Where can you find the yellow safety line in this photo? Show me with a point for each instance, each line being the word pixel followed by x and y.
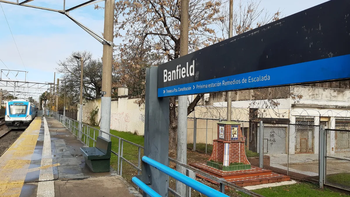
pixel 14 163
pixel 43 167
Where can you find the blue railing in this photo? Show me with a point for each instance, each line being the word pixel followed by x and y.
pixel 206 190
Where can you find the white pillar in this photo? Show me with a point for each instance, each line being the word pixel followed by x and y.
pixel 226 154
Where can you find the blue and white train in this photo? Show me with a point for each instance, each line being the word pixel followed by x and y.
pixel 19 114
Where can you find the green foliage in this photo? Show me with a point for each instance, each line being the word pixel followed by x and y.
pixel 200 147
pixel 250 153
pixel 232 167
pixel 93 114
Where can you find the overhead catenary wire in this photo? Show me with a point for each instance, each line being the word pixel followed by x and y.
pixel 12 36
pixel 7 68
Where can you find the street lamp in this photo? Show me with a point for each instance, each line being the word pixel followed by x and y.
pixel 81 92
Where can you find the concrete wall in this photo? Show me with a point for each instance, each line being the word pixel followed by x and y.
pixel 302 101
pixel 206 131
pixel 88 108
pixel 126 114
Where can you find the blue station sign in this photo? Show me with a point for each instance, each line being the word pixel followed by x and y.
pixel 310 46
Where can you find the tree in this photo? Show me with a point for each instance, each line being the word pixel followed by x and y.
pixel 151 27
pixel 246 17
pixel 131 67
pixel 42 100
pixel 7 96
pixel 92 80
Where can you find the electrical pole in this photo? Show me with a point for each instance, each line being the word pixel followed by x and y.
pixel 50 98
pixel 0 98
pixel 81 95
pixel 182 108
pixel 230 27
pixel 53 92
pixel 107 61
pixel 64 101
pixel 81 92
pixel 58 86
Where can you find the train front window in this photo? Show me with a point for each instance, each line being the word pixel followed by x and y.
pixel 18 109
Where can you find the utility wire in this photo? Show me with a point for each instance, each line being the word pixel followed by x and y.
pixel 12 36
pixel 7 68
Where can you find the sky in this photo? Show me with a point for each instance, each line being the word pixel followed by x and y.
pixel 36 41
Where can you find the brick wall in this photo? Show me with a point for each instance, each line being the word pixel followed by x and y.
pixel 236 151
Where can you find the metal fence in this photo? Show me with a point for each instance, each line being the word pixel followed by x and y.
pixel 337 166
pixel 133 158
pixel 291 149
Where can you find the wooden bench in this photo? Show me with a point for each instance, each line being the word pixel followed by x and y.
pixel 98 157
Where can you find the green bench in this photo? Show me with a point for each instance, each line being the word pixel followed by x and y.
pixel 98 157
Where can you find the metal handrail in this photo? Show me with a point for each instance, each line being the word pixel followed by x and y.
pixel 204 189
pixel 145 188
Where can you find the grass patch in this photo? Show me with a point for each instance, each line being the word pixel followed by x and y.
pixel 299 189
pixel 200 147
pixel 250 153
pixel 339 179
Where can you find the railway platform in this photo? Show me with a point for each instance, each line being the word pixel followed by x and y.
pixel 46 161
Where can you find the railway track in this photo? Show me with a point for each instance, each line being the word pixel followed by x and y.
pixel 4 132
pixel 7 136
pixel 3 129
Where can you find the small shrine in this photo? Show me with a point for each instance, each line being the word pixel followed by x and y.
pixel 229 161
pixel 228 149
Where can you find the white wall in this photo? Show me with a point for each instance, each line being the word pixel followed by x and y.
pixel 126 114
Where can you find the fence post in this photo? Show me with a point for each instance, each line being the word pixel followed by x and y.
pixel 261 144
pixel 139 161
pixel 288 145
pixel 121 159
pixel 222 187
pixel 206 137
pixel 322 152
pixel 119 155
pixel 194 133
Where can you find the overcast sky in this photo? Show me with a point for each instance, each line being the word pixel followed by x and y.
pixel 40 39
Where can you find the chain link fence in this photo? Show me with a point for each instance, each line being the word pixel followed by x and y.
pixel 288 148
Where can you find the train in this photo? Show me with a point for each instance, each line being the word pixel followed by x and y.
pixel 19 114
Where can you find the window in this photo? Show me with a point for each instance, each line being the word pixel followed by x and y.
pixel 18 109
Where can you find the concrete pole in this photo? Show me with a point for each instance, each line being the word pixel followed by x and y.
pixel 81 95
pixel 182 116
pixel 50 99
pixel 230 27
pixel 261 145
pixel 0 98
pixel 53 91
pixel 107 60
pixel 57 91
pixel 64 102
